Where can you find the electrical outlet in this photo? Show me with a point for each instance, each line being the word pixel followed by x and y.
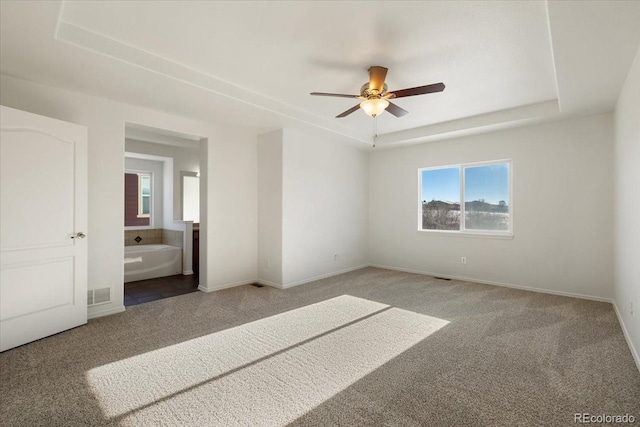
pixel 463 260
pixel 631 308
pixel 335 257
pixel 267 264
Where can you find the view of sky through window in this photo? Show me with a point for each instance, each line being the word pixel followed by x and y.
pixel 441 184
pixel 489 183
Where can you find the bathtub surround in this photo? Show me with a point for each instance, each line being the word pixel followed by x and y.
pixel 154 236
pixel 173 238
pixel 181 238
pixel 148 237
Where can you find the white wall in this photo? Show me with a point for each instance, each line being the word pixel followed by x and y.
pixel 562 202
pixel 627 206
pixel 167 195
pixel 270 208
pixel 140 165
pixel 232 219
pixel 324 207
pixel 229 183
pixel 312 205
pixel 184 159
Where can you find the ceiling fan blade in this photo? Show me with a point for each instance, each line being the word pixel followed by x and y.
pixel 377 75
pixel 338 95
pixel 420 90
pixel 395 110
pixel 349 111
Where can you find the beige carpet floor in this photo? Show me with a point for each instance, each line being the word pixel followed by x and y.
pixel 371 347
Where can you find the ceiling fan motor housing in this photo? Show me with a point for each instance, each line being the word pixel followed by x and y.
pixel 366 93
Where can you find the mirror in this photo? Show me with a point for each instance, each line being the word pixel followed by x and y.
pixel 190 196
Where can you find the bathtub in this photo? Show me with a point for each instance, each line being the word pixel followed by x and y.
pixel 148 261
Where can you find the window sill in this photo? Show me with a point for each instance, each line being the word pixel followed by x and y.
pixel 138 227
pixel 498 236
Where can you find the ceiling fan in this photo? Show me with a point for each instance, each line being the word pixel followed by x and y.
pixel 376 97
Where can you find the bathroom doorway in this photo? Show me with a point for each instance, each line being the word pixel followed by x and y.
pixel 162 213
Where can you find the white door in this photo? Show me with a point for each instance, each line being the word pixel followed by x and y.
pixel 43 221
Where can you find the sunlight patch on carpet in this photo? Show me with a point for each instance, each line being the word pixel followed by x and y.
pixel 267 372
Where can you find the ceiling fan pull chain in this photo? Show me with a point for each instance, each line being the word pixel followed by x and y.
pixel 375 130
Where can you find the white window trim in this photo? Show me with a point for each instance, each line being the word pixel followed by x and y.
pixel 142 227
pixel 141 196
pixel 490 234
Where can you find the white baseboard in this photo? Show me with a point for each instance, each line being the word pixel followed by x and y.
pixel 187 272
pixel 268 283
pixel 278 285
pixel 225 286
pixel 489 282
pixel 102 313
pixel 323 276
pixel 627 337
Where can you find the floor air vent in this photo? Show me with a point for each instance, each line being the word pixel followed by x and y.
pixel 98 296
pixel 257 285
pixel 441 278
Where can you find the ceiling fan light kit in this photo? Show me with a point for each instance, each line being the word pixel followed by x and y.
pixel 376 97
pixel 374 106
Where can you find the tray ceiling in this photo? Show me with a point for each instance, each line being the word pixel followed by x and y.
pixel 254 63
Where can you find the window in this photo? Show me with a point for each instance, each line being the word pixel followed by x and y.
pixel 137 199
pixel 144 195
pixel 468 198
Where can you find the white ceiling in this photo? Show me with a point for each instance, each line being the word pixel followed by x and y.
pixel 254 63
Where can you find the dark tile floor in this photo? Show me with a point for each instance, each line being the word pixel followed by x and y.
pixel 163 287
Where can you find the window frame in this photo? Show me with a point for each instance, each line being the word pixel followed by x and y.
pixel 151 209
pixel 141 196
pixel 463 232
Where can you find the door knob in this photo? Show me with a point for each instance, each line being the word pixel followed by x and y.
pixel 79 235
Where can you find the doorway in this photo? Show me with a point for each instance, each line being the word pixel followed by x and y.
pixel 159 253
